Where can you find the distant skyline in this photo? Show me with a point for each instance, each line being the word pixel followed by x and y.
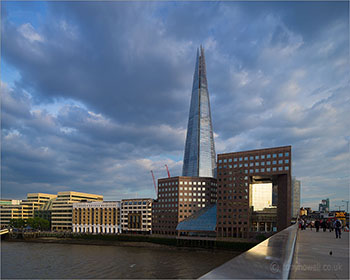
pixel 97 94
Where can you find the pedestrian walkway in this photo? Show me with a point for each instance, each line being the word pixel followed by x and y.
pixel 319 255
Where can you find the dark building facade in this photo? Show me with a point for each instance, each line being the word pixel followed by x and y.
pixel 178 198
pixel 238 175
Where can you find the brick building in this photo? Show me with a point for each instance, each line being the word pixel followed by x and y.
pixel 178 198
pixel 238 173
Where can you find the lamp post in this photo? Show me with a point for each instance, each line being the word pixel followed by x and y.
pixel 338 206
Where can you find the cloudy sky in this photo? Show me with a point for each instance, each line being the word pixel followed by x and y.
pixel 95 95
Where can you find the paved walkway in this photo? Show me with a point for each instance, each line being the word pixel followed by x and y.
pixel 312 258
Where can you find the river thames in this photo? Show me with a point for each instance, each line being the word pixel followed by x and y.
pixel 46 260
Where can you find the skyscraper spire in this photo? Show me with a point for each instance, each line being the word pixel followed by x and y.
pixel 199 157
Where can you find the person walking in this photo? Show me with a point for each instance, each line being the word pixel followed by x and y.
pixel 331 226
pixel 317 225
pixel 324 225
pixel 337 227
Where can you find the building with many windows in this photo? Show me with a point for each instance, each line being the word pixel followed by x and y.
pixel 96 217
pixel 62 208
pixel 259 179
pixel 199 156
pixel 178 199
pixel 324 205
pixel 136 215
pixel 295 198
pixel 24 209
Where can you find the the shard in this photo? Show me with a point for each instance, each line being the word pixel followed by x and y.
pixel 199 157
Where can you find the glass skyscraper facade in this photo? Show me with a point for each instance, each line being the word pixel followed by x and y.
pixel 199 157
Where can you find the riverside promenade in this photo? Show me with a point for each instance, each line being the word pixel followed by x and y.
pixel 319 255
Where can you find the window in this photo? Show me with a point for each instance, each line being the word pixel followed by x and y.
pixel 225 160
pixel 262 163
pixel 256 170
pixel 280 168
pixel 268 156
pixel 274 162
pixel 273 168
pixel 240 159
pixel 230 160
pixel 262 156
pixel 185 184
pixel 251 170
pixel 181 188
pixel 246 171
pixel 251 164
pixel 246 165
pixel 280 155
pixel 235 159
pixel 240 165
pixel 268 169
pixel 245 158
pixel 180 182
pixel 274 155
pixel 286 168
pixel 256 157
pixel 286 161
pixel 257 164
pixel 287 154
pixel 220 161
pixel 262 169
pixel 268 163
pixel 280 161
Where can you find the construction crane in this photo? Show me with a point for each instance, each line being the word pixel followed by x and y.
pixel 154 183
pixel 167 170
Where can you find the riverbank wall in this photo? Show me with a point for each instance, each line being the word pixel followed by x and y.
pixel 127 240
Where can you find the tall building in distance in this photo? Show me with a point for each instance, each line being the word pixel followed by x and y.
pixel 295 198
pixel 199 156
pixel 324 205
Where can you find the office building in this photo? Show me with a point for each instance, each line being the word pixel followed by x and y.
pixel 238 173
pixel 295 197
pixel 199 156
pixel 324 205
pixel 178 199
pixel 136 215
pixel 96 217
pixel 25 209
pixel 62 208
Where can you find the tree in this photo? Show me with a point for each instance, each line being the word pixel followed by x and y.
pixel 39 223
pixel 17 223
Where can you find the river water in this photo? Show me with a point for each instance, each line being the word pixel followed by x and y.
pixel 61 261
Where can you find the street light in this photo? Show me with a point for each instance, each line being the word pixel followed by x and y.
pixel 338 206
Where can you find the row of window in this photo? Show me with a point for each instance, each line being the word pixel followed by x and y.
pixel 193 199
pixel 267 169
pixel 134 202
pixel 286 154
pixel 257 163
pixel 184 183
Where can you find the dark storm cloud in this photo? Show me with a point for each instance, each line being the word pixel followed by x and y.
pixel 103 90
pixel 112 62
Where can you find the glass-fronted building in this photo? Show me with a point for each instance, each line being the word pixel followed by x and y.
pixel 199 157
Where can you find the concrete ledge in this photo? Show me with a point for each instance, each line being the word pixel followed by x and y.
pixel 271 259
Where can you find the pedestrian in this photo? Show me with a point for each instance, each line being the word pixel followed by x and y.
pixel 317 225
pixel 324 225
pixel 337 227
pixel 331 225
